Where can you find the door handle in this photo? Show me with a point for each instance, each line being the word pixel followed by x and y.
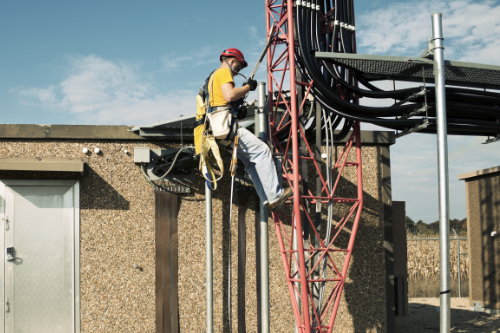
pixel 7 306
pixel 10 254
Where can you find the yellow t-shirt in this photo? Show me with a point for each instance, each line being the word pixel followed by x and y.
pixel 222 76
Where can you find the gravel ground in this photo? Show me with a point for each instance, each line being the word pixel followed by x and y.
pixel 424 317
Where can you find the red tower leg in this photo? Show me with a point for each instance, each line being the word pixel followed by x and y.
pixel 308 257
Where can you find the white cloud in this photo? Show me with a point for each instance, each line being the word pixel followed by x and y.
pixel 174 62
pixel 470 29
pixel 100 91
pixel 44 96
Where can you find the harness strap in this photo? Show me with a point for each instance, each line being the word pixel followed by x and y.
pixel 199 122
pixel 208 145
pixel 222 107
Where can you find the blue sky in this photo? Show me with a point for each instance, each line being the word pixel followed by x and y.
pixel 131 62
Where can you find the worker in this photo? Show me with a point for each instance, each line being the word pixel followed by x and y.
pixel 254 153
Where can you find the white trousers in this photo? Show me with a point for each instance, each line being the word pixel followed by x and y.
pixel 258 161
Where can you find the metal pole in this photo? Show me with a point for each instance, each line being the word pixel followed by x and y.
pixel 317 221
pixel 306 321
pixel 459 274
pixel 209 248
pixel 458 264
pixel 444 224
pixel 261 120
pixel 295 247
pixel 261 127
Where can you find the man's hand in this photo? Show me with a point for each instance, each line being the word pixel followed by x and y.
pixel 252 83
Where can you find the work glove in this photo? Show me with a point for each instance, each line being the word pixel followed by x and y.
pixel 252 83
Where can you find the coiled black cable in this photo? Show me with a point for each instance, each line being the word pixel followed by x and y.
pixel 471 112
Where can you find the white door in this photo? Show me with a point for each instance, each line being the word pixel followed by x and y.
pixel 41 251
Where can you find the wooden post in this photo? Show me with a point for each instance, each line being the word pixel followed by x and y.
pixel 167 306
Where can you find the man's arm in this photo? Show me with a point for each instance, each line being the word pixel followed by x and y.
pixel 231 93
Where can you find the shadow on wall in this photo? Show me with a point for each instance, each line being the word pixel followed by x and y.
pixel 9 174
pixel 364 290
pixel 222 194
pixel 97 193
pixel 490 251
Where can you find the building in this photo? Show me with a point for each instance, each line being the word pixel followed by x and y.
pixel 482 192
pixel 95 248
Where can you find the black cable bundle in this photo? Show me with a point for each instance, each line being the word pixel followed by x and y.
pixel 327 26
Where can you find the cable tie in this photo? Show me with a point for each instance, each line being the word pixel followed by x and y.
pixel 296 3
pixel 304 3
pixel 308 5
pixel 317 7
pixel 336 22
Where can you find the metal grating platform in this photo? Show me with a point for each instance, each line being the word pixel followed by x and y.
pixel 374 67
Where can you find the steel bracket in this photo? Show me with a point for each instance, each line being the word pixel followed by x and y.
pixel 412 97
pixel 413 129
pixel 416 112
pixel 429 51
pixel 491 140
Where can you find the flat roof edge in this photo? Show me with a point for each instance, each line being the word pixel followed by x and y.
pixel 72 132
pixel 372 138
pixel 120 132
pixel 478 173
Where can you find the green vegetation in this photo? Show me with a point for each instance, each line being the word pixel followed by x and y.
pixel 422 227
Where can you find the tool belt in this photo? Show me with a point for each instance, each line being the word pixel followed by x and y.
pixel 224 124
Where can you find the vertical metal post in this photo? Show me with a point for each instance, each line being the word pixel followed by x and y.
pixel 303 172
pixel 317 221
pixel 209 261
pixel 459 274
pixel 261 127
pixel 296 268
pixel 306 320
pixel 458 264
pixel 444 224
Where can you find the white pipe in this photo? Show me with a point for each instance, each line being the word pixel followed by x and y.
pixel 261 127
pixel 458 259
pixel 444 224
pixel 209 261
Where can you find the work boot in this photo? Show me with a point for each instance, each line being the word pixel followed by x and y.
pixel 278 204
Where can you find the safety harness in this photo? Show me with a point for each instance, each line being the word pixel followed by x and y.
pixel 223 126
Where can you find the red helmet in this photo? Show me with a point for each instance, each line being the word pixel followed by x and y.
pixel 232 52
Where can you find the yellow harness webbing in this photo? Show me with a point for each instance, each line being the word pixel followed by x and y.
pixel 209 144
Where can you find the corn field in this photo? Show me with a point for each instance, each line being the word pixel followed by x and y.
pixel 423 265
pixel 423 256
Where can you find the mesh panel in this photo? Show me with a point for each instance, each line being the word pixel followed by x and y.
pixel 413 69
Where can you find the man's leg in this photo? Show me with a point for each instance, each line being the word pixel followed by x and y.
pixel 259 163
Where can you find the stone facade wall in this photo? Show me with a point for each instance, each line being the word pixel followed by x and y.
pixel 117 231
